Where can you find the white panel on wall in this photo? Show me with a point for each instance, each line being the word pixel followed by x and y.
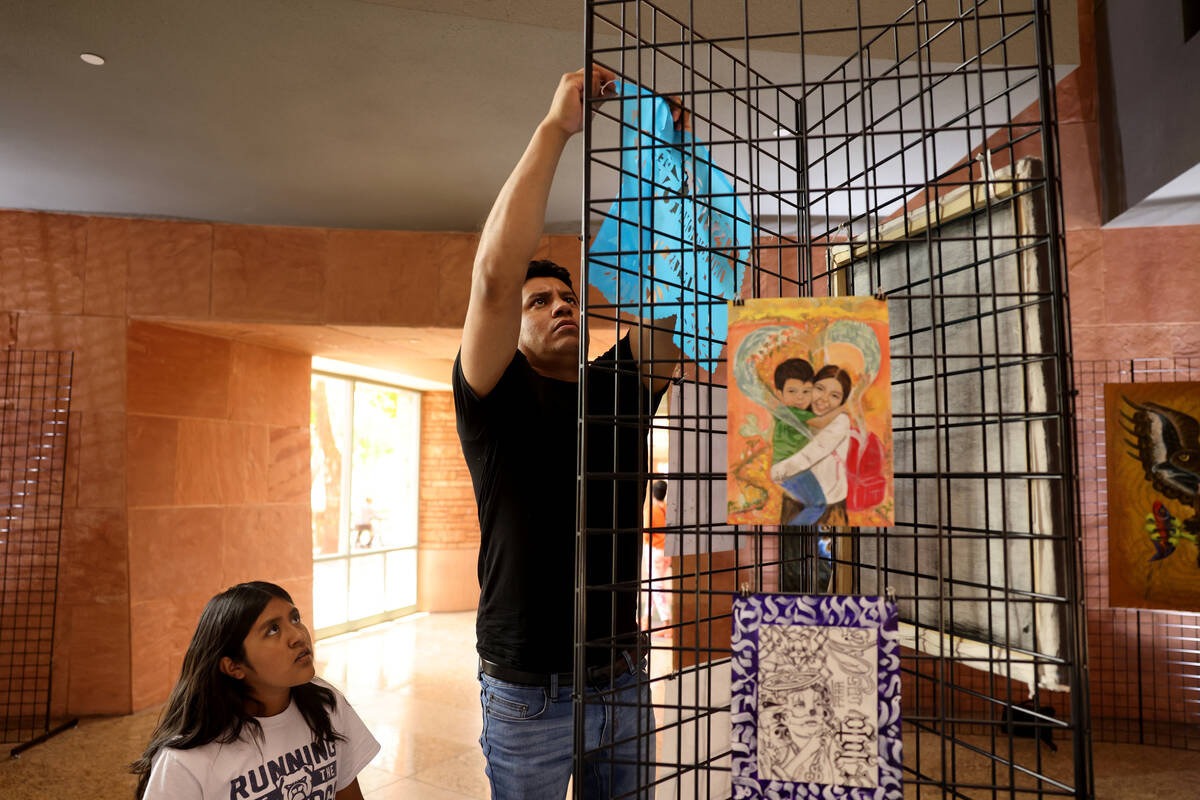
pixel 699 504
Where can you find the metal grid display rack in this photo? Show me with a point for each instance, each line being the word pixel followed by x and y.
pixel 906 151
pixel 34 417
pixel 1145 664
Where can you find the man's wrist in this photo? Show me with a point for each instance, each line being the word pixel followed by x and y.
pixel 553 132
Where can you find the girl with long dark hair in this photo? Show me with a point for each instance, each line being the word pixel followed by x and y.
pixel 248 717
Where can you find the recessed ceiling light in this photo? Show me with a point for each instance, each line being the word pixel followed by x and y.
pixel 91 58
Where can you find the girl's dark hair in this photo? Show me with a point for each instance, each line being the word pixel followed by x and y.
pixel 834 371
pixel 207 705
pixel 548 269
pixel 793 369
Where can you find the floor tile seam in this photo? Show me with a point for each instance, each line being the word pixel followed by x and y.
pixel 441 788
pixel 460 751
pixel 466 750
pixel 395 778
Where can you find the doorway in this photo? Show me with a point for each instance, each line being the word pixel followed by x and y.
pixel 365 456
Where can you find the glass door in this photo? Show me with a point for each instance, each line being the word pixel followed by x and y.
pixel 365 455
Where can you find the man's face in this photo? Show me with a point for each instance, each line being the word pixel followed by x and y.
pixel 549 318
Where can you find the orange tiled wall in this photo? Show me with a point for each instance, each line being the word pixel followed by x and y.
pixel 217 485
pixel 55 297
pixel 1144 665
pixel 1134 293
pixel 76 283
pixel 448 525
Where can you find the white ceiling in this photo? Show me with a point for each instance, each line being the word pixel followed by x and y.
pixel 394 114
pixel 1176 203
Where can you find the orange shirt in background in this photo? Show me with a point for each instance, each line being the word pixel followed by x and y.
pixel 658 519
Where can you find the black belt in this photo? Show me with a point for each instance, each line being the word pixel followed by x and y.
pixel 601 674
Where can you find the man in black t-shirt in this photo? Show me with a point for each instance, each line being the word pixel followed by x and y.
pixel 516 402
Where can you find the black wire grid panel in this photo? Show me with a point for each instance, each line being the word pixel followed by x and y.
pixel 912 157
pixel 34 415
pixel 1144 664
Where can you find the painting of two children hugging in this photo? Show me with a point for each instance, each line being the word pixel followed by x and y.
pixel 810 437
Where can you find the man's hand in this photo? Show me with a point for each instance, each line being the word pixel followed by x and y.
pixel 681 116
pixel 566 109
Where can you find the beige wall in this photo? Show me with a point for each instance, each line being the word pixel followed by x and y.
pixel 44 264
pixel 188 453
pixel 448 525
pixel 217 485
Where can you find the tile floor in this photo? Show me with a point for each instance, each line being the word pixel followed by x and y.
pixel 413 682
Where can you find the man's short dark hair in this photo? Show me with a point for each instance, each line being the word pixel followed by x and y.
pixel 548 269
pixel 793 369
pixel 660 490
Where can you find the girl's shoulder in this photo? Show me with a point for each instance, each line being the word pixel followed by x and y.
pixel 319 681
pixel 324 684
pixel 182 773
pixel 191 758
pixel 341 706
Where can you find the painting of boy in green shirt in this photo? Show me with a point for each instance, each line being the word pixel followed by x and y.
pixel 794 382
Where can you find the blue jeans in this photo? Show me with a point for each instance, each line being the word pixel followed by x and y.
pixel 805 489
pixel 528 737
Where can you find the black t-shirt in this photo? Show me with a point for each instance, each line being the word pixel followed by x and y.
pixel 520 446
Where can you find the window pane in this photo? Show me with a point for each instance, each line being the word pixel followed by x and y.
pixel 386 451
pixel 329 593
pixel 366 586
pixel 401 579
pixel 329 424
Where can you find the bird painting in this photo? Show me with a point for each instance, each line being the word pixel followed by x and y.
pixel 1152 493
pixel 1167 443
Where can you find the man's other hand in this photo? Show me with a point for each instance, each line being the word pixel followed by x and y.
pixel 566 110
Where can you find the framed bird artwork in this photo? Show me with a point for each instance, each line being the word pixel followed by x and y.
pixel 1153 454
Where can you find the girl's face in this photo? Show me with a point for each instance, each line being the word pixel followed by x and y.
pixel 278 651
pixel 827 395
pixel 797 393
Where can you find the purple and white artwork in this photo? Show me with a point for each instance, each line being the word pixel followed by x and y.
pixel 816 698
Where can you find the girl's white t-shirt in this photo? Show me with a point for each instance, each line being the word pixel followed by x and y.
pixel 284 765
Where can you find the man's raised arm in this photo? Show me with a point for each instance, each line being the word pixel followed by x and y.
pixel 653 345
pixel 511 233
